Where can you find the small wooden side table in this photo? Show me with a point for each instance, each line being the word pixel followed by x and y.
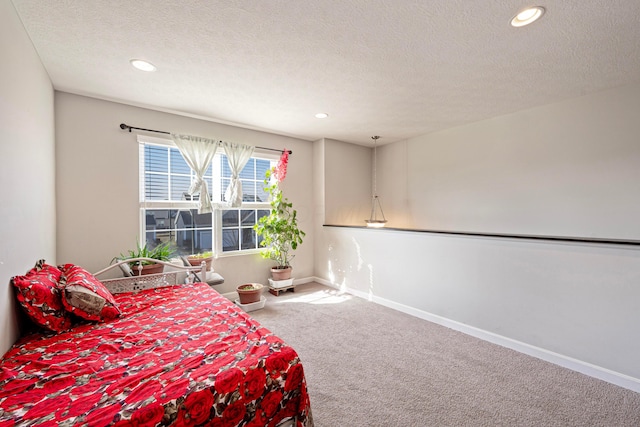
pixel 278 291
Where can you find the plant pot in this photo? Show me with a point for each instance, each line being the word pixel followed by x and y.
pixel 197 262
pixel 281 273
pixel 250 294
pixel 148 269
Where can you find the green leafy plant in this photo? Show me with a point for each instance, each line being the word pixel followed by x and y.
pixel 249 287
pixel 202 255
pixel 162 252
pixel 279 230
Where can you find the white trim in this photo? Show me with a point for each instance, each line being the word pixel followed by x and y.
pixel 261 153
pixel 325 282
pixel 585 368
pixel 168 204
pixel 304 280
pixel 237 253
pixel 147 139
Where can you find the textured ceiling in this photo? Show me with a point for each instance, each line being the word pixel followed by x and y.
pixel 395 68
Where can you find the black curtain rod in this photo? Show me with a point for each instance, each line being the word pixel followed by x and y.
pixel 129 128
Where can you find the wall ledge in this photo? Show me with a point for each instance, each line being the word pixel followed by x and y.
pixel 530 237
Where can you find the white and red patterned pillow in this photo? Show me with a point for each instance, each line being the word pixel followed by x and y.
pixel 85 296
pixel 38 293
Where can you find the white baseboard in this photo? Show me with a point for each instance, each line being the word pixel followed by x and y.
pixel 585 368
pixel 325 282
pixel 304 280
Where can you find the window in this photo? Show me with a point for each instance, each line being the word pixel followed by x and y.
pixel 168 213
pixel 237 224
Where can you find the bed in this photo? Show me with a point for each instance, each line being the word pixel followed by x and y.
pixel 178 355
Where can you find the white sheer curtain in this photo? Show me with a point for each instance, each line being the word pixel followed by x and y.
pixel 198 153
pixel 237 155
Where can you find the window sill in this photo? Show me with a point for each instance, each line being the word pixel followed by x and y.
pixel 238 253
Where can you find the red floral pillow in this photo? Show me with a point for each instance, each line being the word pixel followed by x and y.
pixel 38 293
pixel 85 296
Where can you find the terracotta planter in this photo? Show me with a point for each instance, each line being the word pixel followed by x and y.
pixel 278 273
pixel 148 269
pixel 196 262
pixel 248 296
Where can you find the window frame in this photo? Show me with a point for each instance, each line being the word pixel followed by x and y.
pixel 218 206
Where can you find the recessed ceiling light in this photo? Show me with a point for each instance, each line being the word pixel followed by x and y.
pixel 143 65
pixel 527 16
pixel 322 116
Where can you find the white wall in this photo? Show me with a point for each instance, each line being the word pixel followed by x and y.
pixel 575 301
pixel 97 183
pixel 343 173
pixel 566 169
pixel 27 164
pixel 347 183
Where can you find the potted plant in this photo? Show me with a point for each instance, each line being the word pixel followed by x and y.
pixel 279 230
pixel 196 259
pixel 249 292
pixel 162 252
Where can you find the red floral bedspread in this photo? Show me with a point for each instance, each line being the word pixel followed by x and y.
pixel 182 355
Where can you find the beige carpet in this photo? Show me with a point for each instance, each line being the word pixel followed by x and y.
pixel 368 365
